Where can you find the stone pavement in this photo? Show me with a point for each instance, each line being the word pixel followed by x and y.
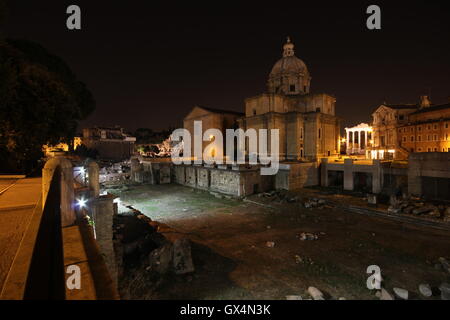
pixel 18 198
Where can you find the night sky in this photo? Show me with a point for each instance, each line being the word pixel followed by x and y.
pixel 148 64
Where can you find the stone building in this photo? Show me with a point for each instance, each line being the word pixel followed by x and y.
pixel 211 119
pixel 309 128
pixel 111 143
pixel 401 129
pixel 427 130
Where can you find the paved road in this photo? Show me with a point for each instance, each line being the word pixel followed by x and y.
pixel 17 202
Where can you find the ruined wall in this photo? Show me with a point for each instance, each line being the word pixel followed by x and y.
pixel 203 178
pixel 191 176
pixel 297 175
pixel 180 174
pixel 429 174
pixel 234 181
pixel 225 181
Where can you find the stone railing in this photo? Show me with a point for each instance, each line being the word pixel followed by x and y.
pixel 57 246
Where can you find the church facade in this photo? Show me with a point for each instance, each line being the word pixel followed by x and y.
pixel 307 124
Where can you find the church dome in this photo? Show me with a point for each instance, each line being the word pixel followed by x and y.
pixel 290 64
pixel 289 75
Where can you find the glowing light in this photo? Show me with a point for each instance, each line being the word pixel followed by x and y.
pixel 81 203
pixel 82 170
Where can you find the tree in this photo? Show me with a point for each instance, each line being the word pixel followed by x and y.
pixel 41 102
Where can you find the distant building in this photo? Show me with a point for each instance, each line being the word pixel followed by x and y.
pixel 427 130
pixel 111 143
pixel 402 129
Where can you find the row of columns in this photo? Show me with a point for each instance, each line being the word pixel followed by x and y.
pixel 353 148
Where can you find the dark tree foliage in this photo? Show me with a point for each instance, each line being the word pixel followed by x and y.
pixel 41 102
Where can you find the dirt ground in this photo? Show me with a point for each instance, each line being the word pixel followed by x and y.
pixel 233 261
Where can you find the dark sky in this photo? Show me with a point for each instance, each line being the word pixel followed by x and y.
pixel 148 63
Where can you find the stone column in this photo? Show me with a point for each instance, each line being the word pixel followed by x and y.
pixel 377 176
pixel 348 175
pixel 347 144
pixel 94 184
pixel 365 139
pixel 353 141
pixel 324 172
pixel 414 174
pixel 103 210
pixel 359 141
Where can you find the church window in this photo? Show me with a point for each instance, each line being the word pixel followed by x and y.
pixel 317 109
pixel 446 126
pixel 419 138
pixel 435 126
pixel 320 133
pixel 292 88
pixel 304 88
pixel 401 117
pixel 254 112
pixel 404 139
pixel 412 138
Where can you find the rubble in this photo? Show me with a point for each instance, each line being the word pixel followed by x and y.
pixel 425 290
pixel 307 236
pixel 315 293
pixel 282 196
pixel 383 294
pixel 182 258
pixel 293 297
pixel 414 206
pixel 270 244
pixel 445 264
pixel 401 293
pixel 445 291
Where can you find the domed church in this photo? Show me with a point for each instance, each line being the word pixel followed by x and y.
pixel 308 126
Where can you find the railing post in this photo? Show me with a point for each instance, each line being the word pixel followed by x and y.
pixel 66 186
